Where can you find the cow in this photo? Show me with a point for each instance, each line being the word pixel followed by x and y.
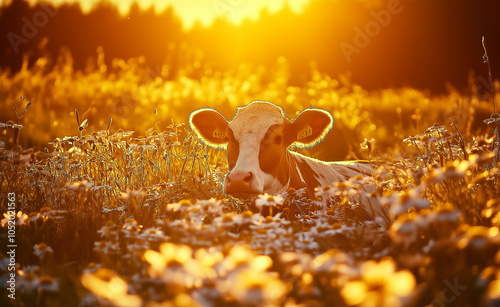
pixel 259 140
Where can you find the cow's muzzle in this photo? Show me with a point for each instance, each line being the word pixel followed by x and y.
pixel 239 184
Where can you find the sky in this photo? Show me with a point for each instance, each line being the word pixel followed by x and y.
pixel 191 11
pixel 425 44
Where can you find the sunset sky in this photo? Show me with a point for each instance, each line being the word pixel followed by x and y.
pixel 191 11
pixel 380 47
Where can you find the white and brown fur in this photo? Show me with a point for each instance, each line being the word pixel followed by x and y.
pixel 258 140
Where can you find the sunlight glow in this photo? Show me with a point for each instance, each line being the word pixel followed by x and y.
pixel 196 11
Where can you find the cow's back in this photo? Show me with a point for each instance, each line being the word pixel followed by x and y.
pixel 312 173
pixel 328 172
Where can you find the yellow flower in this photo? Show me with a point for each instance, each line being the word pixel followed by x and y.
pixel 381 285
pixel 108 287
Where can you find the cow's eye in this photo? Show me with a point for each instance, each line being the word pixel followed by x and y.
pixel 278 139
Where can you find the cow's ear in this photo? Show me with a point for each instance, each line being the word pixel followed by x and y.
pixel 210 127
pixel 309 128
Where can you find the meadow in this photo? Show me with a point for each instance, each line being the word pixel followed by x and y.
pixel 118 204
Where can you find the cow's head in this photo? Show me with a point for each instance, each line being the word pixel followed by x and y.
pixel 256 141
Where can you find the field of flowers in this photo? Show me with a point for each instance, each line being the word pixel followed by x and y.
pixel 118 204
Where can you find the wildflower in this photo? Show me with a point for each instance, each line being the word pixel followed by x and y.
pixel 266 200
pixel 20 219
pixel 254 287
pixel 344 190
pixel 47 283
pixel 381 284
pixel 210 206
pixel 261 223
pixel 404 201
pixel 305 242
pixel 109 288
pixel 181 300
pixel 4 263
pixel 407 230
pixel 325 193
pixel 43 251
pixel 28 278
pixel 175 266
pixel 446 214
pixel 136 248
pixel 227 220
pixel 492 211
pixel 481 144
pixel 107 247
pixel 182 206
pixel 46 213
pixel 153 235
pixel 354 292
pixel 334 260
pixel 176 253
pixel 493 291
pixel 208 258
pixel 480 242
pixel 456 169
pixel 132 194
pixel 130 228
pixel 108 230
pixel 83 185
pixel 248 218
pixel 238 255
pixel 336 226
pixel 296 263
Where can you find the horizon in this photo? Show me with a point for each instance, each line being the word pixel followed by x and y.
pixel 384 43
pixel 191 12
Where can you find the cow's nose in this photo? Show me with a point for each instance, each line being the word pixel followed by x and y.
pixel 239 181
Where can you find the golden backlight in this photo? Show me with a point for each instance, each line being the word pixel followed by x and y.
pixel 193 11
pixel 108 183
